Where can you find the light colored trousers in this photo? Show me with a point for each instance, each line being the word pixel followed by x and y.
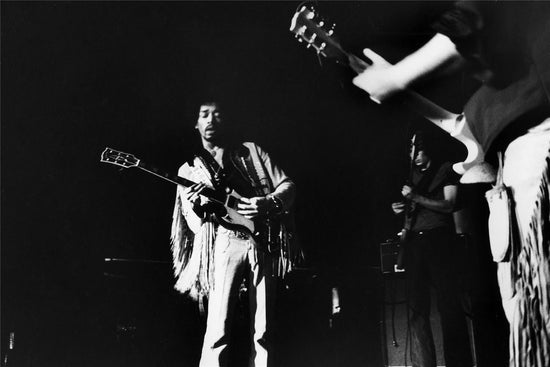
pixel 233 256
pixel 524 166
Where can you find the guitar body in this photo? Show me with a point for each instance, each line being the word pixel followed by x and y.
pixel 264 230
pixel 404 237
pixel 231 219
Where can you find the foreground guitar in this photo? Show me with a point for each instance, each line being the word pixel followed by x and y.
pixel 227 215
pixel 309 27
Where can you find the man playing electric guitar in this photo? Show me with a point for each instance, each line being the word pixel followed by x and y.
pixel 211 258
pixel 430 259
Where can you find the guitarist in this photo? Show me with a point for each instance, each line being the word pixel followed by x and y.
pixel 210 259
pixel 430 260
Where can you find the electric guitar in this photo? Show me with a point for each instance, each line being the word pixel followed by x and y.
pixel 404 235
pixel 409 209
pixel 308 26
pixel 227 200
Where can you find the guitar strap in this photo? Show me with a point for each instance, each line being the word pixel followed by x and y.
pixel 238 174
pixel 215 171
pixel 242 161
pixel 270 228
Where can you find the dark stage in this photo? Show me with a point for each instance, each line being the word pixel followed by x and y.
pixel 80 76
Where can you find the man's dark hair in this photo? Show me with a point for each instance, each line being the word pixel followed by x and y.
pixel 209 102
pixel 209 99
pixel 422 142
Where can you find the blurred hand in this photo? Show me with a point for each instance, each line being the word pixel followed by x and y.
pixel 193 195
pixel 379 80
pixel 407 192
pixel 254 207
pixel 398 207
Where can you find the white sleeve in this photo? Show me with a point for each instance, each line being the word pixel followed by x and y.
pixel 193 220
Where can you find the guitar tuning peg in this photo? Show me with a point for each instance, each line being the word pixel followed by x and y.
pixel 308 45
pixel 299 39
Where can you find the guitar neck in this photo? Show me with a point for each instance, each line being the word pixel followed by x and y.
pixel 178 180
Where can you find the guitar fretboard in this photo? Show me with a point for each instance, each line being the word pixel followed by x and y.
pixel 178 180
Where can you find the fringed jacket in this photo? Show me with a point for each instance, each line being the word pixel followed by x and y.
pixel 193 237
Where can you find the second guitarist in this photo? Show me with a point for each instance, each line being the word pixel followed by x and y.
pixel 430 260
pixel 211 260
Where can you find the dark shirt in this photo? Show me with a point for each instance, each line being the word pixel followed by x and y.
pixel 235 174
pixel 510 42
pixel 438 177
pixel 238 175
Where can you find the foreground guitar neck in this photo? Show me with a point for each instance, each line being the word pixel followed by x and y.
pixel 178 180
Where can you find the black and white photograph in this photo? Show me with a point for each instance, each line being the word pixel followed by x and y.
pixel 275 183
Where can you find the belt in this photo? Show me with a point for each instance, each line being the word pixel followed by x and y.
pixel 233 233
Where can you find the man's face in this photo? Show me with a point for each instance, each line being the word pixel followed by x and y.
pixel 209 122
pixel 422 159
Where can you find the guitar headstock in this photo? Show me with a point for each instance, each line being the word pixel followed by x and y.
pixel 121 159
pixel 308 26
pixel 413 150
pixel 413 146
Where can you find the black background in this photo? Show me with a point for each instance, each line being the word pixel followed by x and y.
pixel 80 76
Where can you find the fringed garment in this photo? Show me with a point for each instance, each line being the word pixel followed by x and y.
pixel 529 312
pixel 531 339
pixel 193 238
